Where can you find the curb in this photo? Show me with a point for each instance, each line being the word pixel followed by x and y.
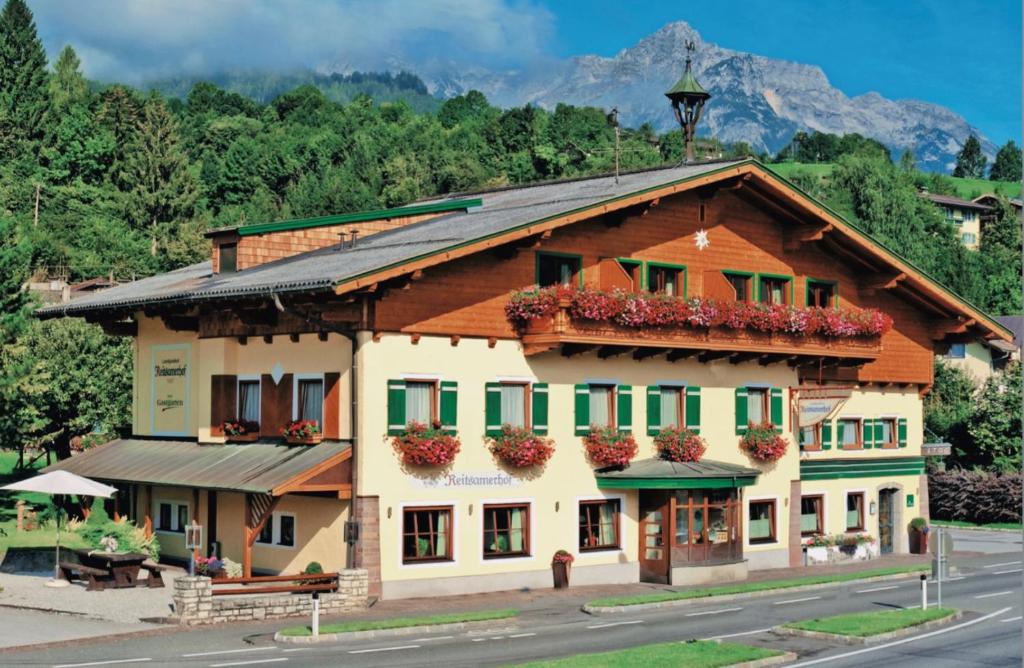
pixel 613 609
pixel 394 633
pixel 868 640
pixel 982 529
pixel 785 657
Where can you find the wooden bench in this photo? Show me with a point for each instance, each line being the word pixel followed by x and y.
pixel 73 571
pixel 155 580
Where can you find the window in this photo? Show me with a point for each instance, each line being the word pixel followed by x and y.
pixel 957 351
pixel 810 437
pixel 888 433
pixel 310 399
pixel 855 511
pixel 249 401
pixel 420 401
pixel 774 290
pixel 513 404
pixel 171 516
pixel 665 280
pixel 279 530
pixel 701 212
pixel 762 522
pixel 672 407
pixel 558 269
pixel 599 525
pixel 741 286
pixel 849 434
pixel 506 530
pixel 969 238
pixel 266 536
pixel 821 294
pixel 811 509
pixel 602 405
pixel 635 271
pixel 228 258
pixel 706 525
pixel 757 405
pixel 426 534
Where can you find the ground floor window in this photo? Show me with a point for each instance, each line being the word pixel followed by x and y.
pixel 279 530
pixel 811 515
pixel 762 522
pixel 427 534
pixel 171 516
pixel 599 525
pixel 506 530
pixel 705 524
pixel 855 511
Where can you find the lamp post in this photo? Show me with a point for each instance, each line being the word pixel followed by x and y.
pixel 688 98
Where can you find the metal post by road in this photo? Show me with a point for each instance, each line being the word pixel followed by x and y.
pixel 939 552
pixel 924 591
pixel 315 626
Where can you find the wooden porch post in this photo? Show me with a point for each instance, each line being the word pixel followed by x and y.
pixel 196 551
pixel 148 511
pixel 211 518
pixel 246 534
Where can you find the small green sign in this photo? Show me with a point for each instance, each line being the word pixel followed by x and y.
pixel 910 500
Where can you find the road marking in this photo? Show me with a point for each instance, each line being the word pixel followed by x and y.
pixel 297 649
pixel 736 635
pixel 522 635
pixel 434 638
pixel 230 651
pixel 1008 563
pixel 102 663
pixel 875 648
pixel 868 591
pixel 497 637
pixel 605 626
pixel 797 600
pixel 711 612
pixel 998 593
pixel 1012 570
pixel 478 639
pixel 1011 619
pixel 382 649
pixel 248 663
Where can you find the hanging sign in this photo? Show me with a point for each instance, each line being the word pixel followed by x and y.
pixel 816 404
pixel 171 374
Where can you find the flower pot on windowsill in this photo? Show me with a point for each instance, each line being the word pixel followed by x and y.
pixel 313 439
pixel 243 438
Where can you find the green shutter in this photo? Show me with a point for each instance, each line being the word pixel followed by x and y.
pixel 539 408
pixel 879 433
pixel 624 408
pixel 741 410
pixel 693 409
pixel 492 409
pixel 826 435
pixel 776 408
pixel 868 433
pixel 901 427
pixel 582 395
pixel 653 410
pixel 449 405
pixel 396 407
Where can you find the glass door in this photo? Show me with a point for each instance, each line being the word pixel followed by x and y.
pixel 654 549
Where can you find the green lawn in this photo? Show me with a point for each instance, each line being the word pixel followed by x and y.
pixel 994 525
pixel 745 588
pixel 402 622
pixel 693 654
pixel 863 624
pixel 9 512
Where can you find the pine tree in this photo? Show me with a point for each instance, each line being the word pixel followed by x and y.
pixel 160 189
pixel 67 85
pixel 119 113
pixel 1007 165
pixel 23 79
pixel 908 163
pixel 970 162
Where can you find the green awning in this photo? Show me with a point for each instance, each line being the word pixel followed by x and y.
pixel 662 474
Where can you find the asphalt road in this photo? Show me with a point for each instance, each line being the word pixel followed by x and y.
pixel 991 586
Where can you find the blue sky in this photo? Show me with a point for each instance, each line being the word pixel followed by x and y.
pixel 962 54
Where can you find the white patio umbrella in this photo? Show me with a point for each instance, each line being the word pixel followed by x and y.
pixel 60 483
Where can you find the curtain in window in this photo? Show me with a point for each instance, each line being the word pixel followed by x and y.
pixel 808 515
pixel 669 407
pixel 776 292
pixel 755 406
pixel 607 527
pixel 670 283
pixel 441 544
pixel 249 401
pixel 311 400
pixel 182 518
pixel 807 435
pixel 849 436
pixel 599 400
pixel 887 432
pixel 417 402
pixel 515 537
pixel 760 522
pixel 513 405
pixel 853 511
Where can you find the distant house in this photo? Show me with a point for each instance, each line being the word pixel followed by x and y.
pixel 963 213
pixel 991 201
pixel 981 358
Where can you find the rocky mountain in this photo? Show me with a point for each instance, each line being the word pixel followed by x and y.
pixel 759 100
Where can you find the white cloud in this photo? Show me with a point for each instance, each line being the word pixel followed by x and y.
pixel 136 39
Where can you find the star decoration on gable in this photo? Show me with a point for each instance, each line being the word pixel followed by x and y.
pixel 701 239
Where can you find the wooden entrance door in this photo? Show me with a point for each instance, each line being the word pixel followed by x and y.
pixel 654 543
pixel 886 520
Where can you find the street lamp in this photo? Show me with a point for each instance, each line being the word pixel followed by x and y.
pixel 688 98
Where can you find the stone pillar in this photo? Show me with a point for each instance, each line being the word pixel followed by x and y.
pixel 353 586
pixel 796 555
pixel 368 547
pixel 193 599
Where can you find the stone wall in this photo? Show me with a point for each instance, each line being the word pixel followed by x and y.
pixel 194 602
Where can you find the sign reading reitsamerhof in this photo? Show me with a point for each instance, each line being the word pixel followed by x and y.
pixel 170 389
pixel 815 404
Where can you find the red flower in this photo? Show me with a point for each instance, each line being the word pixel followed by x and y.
pixel 763 443
pixel 678 444
pixel 520 447
pixel 606 446
pixel 300 429
pixel 421 445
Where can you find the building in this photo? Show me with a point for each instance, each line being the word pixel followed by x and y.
pixel 963 213
pixel 992 202
pixel 985 356
pixel 405 319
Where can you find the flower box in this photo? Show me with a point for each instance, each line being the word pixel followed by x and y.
pixel 240 431
pixel 302 432
pixel 244 438
pixel 304 440
pixel 421 445
pixel 678 444
pixel 762 443
pixel 519 447
pixel 606 446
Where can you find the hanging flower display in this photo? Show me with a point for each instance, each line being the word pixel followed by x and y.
pixel 520 447
pixel 421 445
pixel 606 446
pixel 678 444
pixel 762 442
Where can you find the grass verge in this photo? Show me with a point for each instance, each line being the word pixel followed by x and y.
pixel 974 525
pixel 403 622
pixel 864 624
pixel 746 588
pixel 693 654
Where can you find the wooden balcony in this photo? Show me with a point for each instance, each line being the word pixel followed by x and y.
pixel 609 340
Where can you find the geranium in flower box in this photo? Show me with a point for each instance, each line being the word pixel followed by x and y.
pixel 302 432
pixel 422 445
pixel 520 447
pixel 241 431
pixel 679 444
pixel 607 446
pixel 762 443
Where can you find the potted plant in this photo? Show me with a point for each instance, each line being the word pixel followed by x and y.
pixel 560 565
pixel 762 443
pixel 520 447
pixel 302 432
pixel 607 446
pixel 919 531
pixel 678 444
pixel 211 566
pixel 420 445
pixel 241 431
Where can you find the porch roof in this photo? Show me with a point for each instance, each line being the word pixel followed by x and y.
pixel 259 468
pixel 662 474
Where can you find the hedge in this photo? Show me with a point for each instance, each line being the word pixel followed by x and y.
pixel 975 496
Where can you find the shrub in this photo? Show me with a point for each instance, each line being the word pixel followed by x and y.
pixel 127 537
pixel 975 496
pixel 421 445
pixel 762 442
pixel 313 568
pixel 678 444
pixel 919 524
pixel 520 447
pixel 232 569
pixel 606 446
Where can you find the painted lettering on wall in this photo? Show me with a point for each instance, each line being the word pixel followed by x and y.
pixel 463 480
pixel 171 373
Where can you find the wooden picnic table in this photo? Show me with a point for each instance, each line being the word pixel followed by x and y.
pixel 123 567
